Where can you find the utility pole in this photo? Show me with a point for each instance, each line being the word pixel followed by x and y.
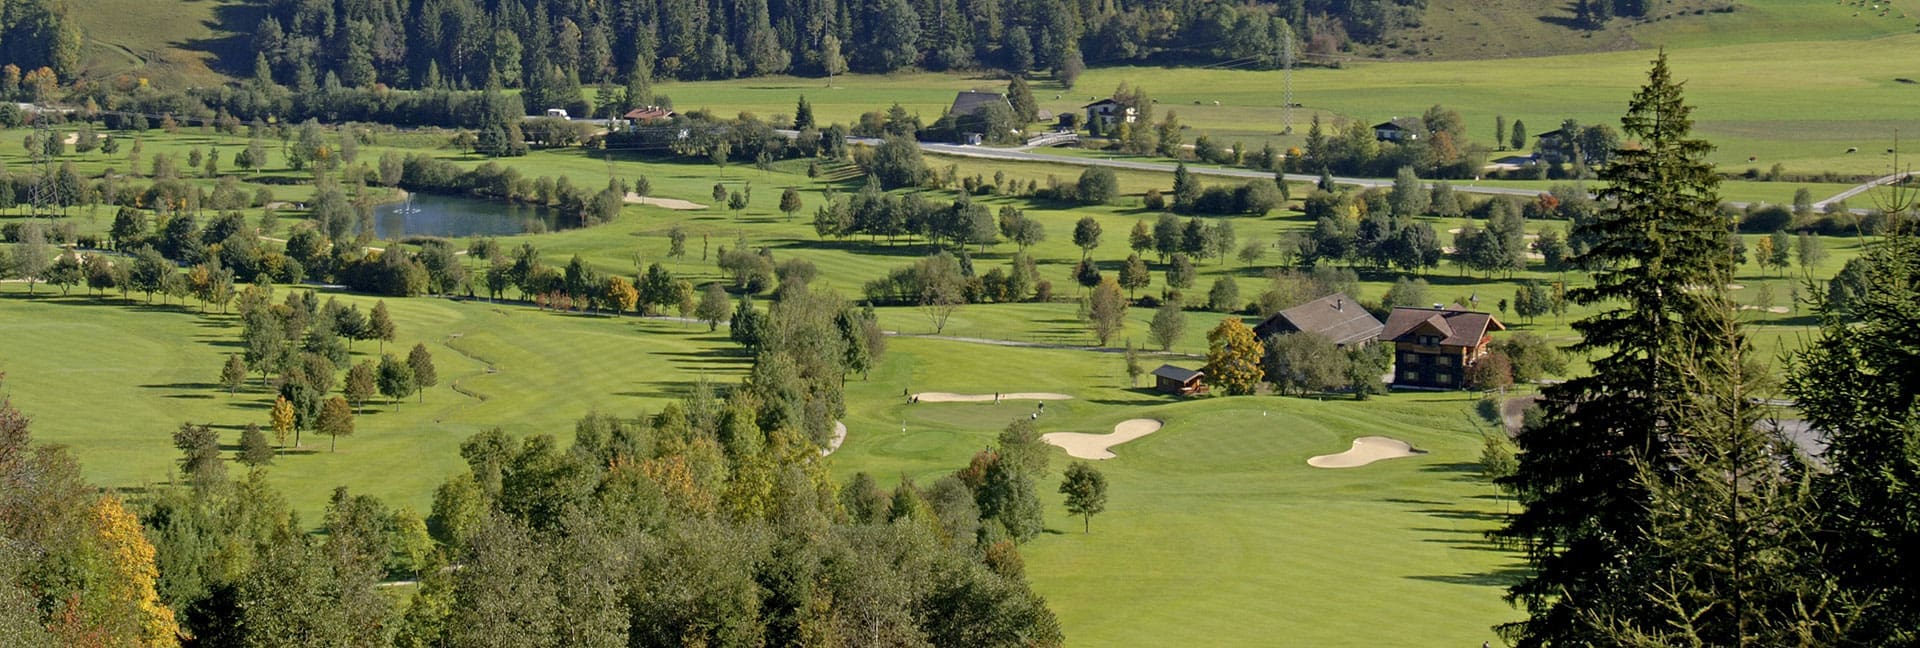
pixel 1286 61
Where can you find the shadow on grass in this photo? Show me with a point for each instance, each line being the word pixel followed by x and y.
pixel 1459 514
pixel 914 250
pixel 185 385
pixel 1497 578
pixel 1446 530
pixel 1456 467
pixel 1140 402
pixel 189 396
pixel 1402 500
pixel 1451 543
pixel 676 389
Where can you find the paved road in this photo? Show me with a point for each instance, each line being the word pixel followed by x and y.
pixel 1863 188
pixel 1024 155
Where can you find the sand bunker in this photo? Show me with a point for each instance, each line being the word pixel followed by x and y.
pixel 664 203
pixel 1095 446
pixel 948 397
pixel 839 437
pixel 1366 450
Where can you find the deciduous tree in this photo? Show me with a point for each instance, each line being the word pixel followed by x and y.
pixel 380 325
pixel 130 589
pixel 1169 325
pixel 1086 491
pixel 1086 235
pixel 714 306
pixel 420 361
pixel 254 449
pixel 1106 311
pixel 336 420
pixel 620 294
pixel 362 383
pixel 1134 369
pixel 396 379
pixel 1233 358
pixel 281 418
pixel 233 373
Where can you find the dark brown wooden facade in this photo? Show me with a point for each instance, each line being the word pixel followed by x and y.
pixel 1178 381
pixel 1433 348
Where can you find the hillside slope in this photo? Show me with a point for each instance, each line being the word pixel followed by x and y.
pixel 200 42
pixel 169 42
pixel 1491 29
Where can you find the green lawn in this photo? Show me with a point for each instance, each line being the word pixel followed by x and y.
pixel 1216 527
pixel 113 380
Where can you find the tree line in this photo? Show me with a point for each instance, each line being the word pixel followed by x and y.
pixel 541 44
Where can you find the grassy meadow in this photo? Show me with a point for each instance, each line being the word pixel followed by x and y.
pixel 113 379
pixel 1799 103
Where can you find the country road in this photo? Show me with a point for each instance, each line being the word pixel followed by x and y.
pixel 1860 189
pixel 1025 154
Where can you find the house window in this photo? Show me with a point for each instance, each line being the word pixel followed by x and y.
pixel 1409 375
pixel 1444 379
pixel 1446 361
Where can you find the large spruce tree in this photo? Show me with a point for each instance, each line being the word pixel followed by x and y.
pixel 1859 382
pixel 1658 334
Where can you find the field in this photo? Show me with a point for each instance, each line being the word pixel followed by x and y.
pixel 1815 99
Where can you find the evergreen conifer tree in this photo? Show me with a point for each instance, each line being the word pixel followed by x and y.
pixel 1660 338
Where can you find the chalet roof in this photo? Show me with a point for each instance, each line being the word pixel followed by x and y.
pixel 1103 102
pixel 1456 327
pixel 1336 316
pixel 645 113
pixel 968 102
pixel 1408 124
pixel 1553 134
pixel 1177 374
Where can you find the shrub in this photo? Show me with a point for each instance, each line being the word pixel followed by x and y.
pixel 1154 200
pixel 1097 186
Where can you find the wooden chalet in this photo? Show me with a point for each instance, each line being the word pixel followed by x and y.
pixel 970 102
pixel 648 113
pixel 1433 347
pixel 1399 129
pixel 1178 381
pixel 1335 316
pixel 1109 112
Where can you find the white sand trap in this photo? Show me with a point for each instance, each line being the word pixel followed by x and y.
pixel 949 397
pixel 1777 310
pixel 1095 446
pixel 1366 450
pixel 664 203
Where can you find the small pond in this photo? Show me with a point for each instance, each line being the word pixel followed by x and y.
pixel 455 216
